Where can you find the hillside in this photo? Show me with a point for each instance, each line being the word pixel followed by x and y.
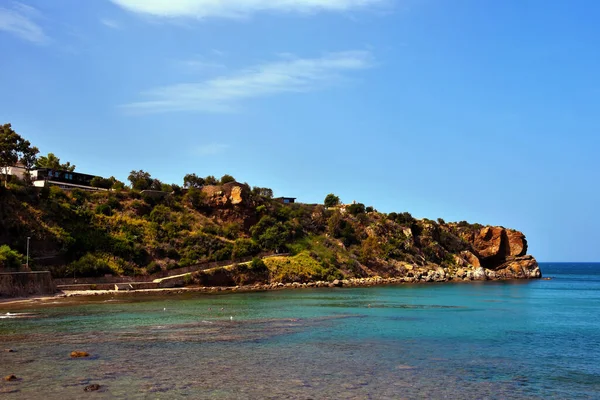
pixel 125 232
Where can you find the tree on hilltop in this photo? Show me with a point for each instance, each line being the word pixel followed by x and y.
pixel 193 181
pixel 210 180
pixel 52 162
pixel 331 200
pixel 140 180
pixel 12 148
pixel 227 179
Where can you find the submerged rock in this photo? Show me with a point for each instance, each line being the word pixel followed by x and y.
pixel 79 354
pixel 11 378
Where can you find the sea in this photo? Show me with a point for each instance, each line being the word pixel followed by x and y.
pixel 537 339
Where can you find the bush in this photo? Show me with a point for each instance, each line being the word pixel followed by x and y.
pixel 103 183
pixel 153 268
pixel 161 214
pixel 140 208
pixel 89 266
pixel 10 259
pixel 195 197
pixel 244 248
pixel 355 209
pixel 404 218
pixel 257 265
pixel 104 209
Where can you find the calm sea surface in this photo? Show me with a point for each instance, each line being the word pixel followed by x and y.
pixel 521 340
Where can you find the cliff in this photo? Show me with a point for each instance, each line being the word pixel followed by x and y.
pixel 128 233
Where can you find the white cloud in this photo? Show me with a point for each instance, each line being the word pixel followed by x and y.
pixel 110 23
pixel 222 94
pixel 236 8
pixel 19 21
pixel 211 149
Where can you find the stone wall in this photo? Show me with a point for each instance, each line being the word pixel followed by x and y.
pixel 21 284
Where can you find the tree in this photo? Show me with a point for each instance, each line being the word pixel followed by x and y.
pixel 9 149
pixel 140 180
pixel 356 208
pixel 104 183
pixel 52 162
pixel 210 180
pixel 13 147
pixel 331 200
pixel 192 181
pixel 227 179
pixel 28 158
pixel 264 192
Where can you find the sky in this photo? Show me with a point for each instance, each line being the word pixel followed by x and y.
pixel 485 111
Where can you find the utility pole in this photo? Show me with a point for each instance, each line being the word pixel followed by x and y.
pixel 27 263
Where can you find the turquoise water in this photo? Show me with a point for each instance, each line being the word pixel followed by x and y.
pixel 522 340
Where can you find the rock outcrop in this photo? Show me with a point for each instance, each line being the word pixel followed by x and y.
pixel 500 253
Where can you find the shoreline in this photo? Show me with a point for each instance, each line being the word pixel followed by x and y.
pixel 345 283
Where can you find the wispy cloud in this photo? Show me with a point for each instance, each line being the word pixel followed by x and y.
pixel 200 65
pixel 110 23
pixel 211 149
pixel 237 8
pixel 19 20
pixel 224 93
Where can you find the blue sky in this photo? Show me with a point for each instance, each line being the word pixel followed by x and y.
pixel 486 111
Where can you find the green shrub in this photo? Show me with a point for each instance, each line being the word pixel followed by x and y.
pixel 244 248
pixel 355 209
pixel 257 265
pixel 89 266
pixel 10 259
pixel 153 268
pixel 160 214
pixel 104 209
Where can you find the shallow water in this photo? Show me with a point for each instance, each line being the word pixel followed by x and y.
pixel 525 340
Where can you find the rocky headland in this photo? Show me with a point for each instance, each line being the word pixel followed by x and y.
pixel 255 241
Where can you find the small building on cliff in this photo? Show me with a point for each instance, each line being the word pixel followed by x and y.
pixel 18 171
pixel 285 200
pixel 64 179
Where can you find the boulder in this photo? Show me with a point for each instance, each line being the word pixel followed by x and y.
pixel 479 274
pixel 91 388
pixel 10 378
pixel 519 267
pixel 79 354
pixel 337 282
pixel 470 258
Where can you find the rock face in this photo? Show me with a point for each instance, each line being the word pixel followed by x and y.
pixel 227 195
pixel 499 253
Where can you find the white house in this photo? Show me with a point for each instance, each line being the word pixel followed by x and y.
pixel 18 171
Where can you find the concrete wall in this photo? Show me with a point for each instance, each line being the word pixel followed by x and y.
pixel 21 284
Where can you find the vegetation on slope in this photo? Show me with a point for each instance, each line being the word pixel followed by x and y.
pixel 149 227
